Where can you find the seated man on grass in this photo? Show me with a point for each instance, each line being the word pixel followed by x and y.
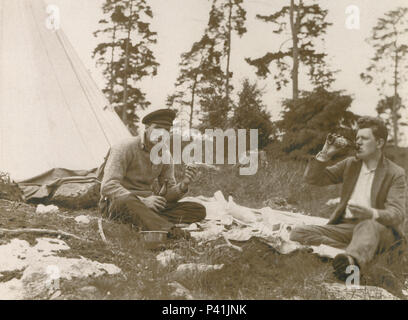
pixel 128 175
pixel 369 218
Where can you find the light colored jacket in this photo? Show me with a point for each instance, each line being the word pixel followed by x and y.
pixel 128 169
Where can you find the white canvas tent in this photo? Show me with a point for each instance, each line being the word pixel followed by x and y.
pixel 52 115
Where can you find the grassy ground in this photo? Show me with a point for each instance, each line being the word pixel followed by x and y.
pixel 257 273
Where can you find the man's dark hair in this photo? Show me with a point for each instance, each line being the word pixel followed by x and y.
pixel 377 125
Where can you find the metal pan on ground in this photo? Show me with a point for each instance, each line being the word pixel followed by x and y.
pixel 153 239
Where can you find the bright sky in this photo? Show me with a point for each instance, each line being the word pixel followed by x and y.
pixel 181 22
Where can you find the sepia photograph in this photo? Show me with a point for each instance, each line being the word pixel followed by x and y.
pixel 184 151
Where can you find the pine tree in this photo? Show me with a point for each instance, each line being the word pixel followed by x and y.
pixel 127 58
pixel 307 24
pixel 227 16
pixel 199 70
pixel 108 48
pixel 304 128
pixel 202 80
pixel 386 107
pixel 387 39
pixel 250 113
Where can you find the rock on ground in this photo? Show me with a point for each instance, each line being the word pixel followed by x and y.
pixel 180 291
pixel 166 257
pixel 42 269
pixel 82 219
pixel 42 209
pixel 341 292
pixel 198 267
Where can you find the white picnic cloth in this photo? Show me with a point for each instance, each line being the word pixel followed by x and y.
pixel 234 222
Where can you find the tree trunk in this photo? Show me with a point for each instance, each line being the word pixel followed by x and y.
pixel 111 66
pixel 228 56
pixel 395 100
pixel 125 80
pixel 294 25
pixel 192 100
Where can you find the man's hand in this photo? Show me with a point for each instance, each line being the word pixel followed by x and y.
pixel 360 212
pixel 155 203
pixel 329 148
pixel 189 176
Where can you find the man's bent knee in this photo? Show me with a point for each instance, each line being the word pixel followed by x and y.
pixel 119 203
pixel 369 223
pixel 200 212
pixel 297 234
pixel 195 210
pixel 119 207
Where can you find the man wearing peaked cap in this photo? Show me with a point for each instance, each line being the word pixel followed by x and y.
pixel 127 183
pixel 162 117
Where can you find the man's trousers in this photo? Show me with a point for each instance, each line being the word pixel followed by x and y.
pixel 129 209
pixel 361 239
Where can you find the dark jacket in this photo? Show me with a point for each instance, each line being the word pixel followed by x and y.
pixel 388 193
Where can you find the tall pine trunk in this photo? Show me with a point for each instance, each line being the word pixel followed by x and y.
pixel 227 93
pixel 294 25
pixel 394 111
pixel 125 80
pixel 193 90
pixel 111 66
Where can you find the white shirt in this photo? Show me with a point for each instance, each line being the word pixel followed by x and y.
pixel 362 191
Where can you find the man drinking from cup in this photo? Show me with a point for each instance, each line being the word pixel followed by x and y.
pixel 369 218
